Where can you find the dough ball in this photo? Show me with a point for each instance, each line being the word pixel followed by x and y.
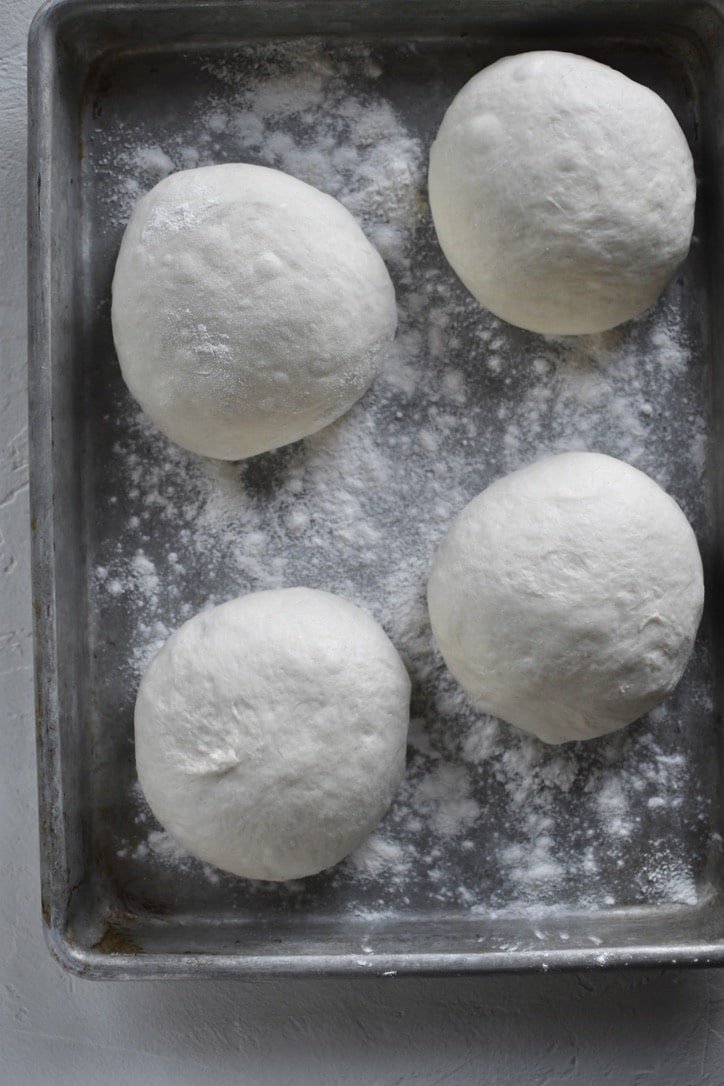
pixel 249 309
pixel 562 192
pixel 271 732
pixel 566 597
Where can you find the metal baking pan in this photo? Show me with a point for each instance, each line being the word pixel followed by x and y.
pixel 499 854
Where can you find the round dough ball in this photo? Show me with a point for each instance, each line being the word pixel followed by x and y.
pixel 249 309
pixel 562 192
pixel 271 732
pixel 566 597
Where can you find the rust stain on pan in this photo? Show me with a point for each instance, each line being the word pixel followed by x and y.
pixel 116 941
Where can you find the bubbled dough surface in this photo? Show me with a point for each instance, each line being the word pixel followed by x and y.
pixel 249 309
pixel 566 597
pixel 562 192
pixel 271 732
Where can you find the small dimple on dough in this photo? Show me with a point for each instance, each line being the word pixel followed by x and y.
pixel 566 597
pixel 572 212
pixel 267 266
pixel 271 732
pixel 283 281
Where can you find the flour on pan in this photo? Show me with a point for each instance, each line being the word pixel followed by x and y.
pixel 486 819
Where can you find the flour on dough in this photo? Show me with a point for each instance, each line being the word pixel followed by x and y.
pixel 562 192
pixel 566 597
pixel 271 732
pixel 249 309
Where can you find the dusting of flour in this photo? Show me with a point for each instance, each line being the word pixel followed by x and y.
pixel 487 819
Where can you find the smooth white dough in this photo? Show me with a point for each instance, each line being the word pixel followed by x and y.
pixel 562 192
pixel 271 732
pixel 249 309
pixel 566 597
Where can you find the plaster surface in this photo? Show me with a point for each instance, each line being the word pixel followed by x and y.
pixel 634 1029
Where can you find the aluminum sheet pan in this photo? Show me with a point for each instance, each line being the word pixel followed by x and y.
pixel 499 853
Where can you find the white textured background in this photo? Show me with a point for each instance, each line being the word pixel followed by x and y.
pixel 637 1029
